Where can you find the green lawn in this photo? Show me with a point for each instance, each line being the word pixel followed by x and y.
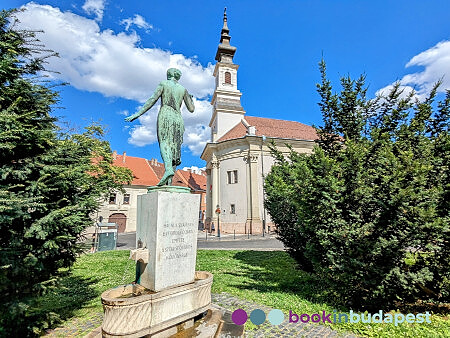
pixel 268 278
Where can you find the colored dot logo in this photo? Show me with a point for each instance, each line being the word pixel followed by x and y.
pixel 257 317
pixel 239 317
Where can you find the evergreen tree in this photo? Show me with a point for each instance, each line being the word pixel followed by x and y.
pixel 50 181
pixel 369 209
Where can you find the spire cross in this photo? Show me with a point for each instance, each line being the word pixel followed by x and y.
pixel 225 27
pixel 225 49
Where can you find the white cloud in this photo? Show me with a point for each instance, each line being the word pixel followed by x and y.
pixel 123 112
pixel 95 7
pixel 138 21
pixel 114 65
pixel 405 92
pixel 196 133
pixel 436 63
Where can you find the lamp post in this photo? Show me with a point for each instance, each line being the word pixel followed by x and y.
pixel 218 220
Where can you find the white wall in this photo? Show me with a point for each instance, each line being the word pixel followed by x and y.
pixel 129 210
pixel 233 193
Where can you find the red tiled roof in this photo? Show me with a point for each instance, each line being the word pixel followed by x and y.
pixel 178 180
pixel 157 167
pixel 156 171
pixel 142 173
pixel 193 180
pixel 272 128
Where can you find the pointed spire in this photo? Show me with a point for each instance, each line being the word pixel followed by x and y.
pixel 225 49
pixel 225 37
pixel 225 27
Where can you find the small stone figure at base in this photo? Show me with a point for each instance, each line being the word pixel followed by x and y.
pixel 170 125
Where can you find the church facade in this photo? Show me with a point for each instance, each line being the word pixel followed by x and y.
pixel 238 157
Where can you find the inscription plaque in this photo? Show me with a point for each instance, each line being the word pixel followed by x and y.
pixel 167 227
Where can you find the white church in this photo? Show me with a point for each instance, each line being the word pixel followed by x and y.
pixel 237 156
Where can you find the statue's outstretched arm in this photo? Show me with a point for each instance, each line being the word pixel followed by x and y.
pixel 188 101
pixel 150 102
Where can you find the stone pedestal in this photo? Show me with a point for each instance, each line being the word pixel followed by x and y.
pixel 132 311
pixel 169 292
pixel 167 229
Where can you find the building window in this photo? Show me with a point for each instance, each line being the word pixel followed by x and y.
pixel 112 198
pixel 228 77
pixel 232 209
pixel 126 199
pixel 232 176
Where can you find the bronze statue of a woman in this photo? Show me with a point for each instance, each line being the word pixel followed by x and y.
pixel 170 125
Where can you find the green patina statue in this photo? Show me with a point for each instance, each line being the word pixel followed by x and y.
pixel 170 125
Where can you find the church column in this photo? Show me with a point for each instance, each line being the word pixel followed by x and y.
pixel 215 189
pixel 255 188
pixel 253 223
pixel 249 194
pixel 208 200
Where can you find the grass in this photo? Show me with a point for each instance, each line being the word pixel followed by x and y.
pixel 268 278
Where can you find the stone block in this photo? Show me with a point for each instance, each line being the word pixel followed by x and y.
pixel 167 228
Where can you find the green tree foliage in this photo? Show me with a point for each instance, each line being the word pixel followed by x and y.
pixel 369 209
pixel 50 181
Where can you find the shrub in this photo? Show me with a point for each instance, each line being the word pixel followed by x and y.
pixel 375 190
pixel 49 183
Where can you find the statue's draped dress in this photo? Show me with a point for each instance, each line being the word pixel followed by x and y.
pixel 171 126
pixel 170 122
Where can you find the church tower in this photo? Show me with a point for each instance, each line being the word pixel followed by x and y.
pixel 226 101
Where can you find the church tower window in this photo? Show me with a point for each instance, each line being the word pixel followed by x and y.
pixel 228 77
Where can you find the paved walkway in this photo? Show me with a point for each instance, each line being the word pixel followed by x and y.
pixel 285 329
pixel 231 303
pixel 269 242
pixel 75 328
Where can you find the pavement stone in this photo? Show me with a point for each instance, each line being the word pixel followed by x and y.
pixel 285 329
pixel 77 328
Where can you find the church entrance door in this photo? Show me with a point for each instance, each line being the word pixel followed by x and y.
pixel 120 220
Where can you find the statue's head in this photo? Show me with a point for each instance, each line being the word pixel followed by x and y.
pixel 173 73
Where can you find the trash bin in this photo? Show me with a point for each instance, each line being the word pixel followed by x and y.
pixel 106 236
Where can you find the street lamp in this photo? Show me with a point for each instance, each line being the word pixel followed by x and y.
pixel 218 220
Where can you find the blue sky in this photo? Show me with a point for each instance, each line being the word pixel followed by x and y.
pixel 114 53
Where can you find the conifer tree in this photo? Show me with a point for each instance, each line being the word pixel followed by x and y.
pixel 50 181
pixel 368 211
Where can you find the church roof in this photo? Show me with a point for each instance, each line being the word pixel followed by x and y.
pixel 142 173
pixel 182 178
pixel 272 128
